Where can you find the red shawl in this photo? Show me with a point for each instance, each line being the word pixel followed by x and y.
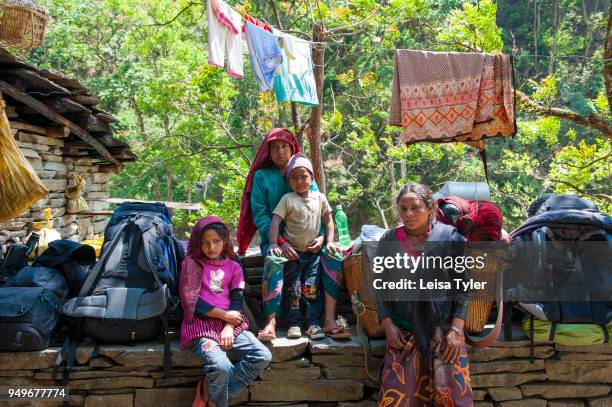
pixel 479 220
pixel 246 227
pixel 192 267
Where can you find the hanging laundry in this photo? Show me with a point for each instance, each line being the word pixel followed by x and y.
pixel 257 22
pixel 20 186
pixel 452 96
pixel 295 82
pixel 224 37
pixel 265 54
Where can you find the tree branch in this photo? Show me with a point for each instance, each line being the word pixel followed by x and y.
pixel 592 121
pixel 346 27
pixel 582 191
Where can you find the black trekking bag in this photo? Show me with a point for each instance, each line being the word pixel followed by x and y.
pixel 567 242
pixel 32 297
pixel 132 289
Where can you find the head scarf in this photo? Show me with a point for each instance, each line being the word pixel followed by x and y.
pixel 298 160
pixel 192 267
pixel 246 227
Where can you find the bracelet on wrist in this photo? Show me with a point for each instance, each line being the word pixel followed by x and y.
pixel 456 330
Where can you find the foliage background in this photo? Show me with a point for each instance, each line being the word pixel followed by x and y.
pixel 196 130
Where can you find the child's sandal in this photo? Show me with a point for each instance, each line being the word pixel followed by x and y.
pixel 316 332
pixel 294 332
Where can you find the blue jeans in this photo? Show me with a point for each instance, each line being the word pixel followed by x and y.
pixel 301 290
pixel 225 378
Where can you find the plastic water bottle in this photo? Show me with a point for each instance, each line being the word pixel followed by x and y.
pixel 344 238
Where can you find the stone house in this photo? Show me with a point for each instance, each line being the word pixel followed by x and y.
pixel 63 135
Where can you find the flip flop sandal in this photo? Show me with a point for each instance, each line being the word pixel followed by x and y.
pixel 315 332
pixel 265 337
pixel 341 331
pixel 294 332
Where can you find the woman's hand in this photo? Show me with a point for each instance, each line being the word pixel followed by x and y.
pixel 333 249
pixel 451 346
pixel 275 250
pixel 315 245
pixel 289 252
pixel 227 337
pixel 395 337
pixel 232 317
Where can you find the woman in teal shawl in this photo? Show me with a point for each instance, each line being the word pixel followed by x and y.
pixel 264 188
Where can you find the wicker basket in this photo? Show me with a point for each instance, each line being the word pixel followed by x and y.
pixel 356 272
pixel 22 24
pixel 479 309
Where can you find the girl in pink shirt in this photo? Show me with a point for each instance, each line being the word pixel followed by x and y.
pixel 211 289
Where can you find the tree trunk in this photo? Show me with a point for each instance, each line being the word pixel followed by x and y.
pixel 169 182
pixel 314 131
pixel 555 26
pixel 608 60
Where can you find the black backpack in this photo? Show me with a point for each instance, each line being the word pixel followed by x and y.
pixel 14 257
pixel 130 292
pixel 554 246
pixel 30 308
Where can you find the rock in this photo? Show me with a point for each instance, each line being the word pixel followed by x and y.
pixel 101 362
pixel 140 368
pixel 513 366
pixel 488 354
pixel 479 394
pixel 379 347
pixel 97 206
pixel 295 363
pixel 585 356
pixel 177 381
pixel 307 373
pixel 579 371
pixel 100 178
pixel 364 403
pixel 83 161
pixel 37 165
pixel 33 138
pixel 601 402
pixel 111 383
pixel 29 153
pixel 284 349
pixel 567 403
pixel 148 354
pixel 58 202
pixel 28 360
pixel 92 374
pixel 505 393
pixel 97 195
pixel 313 390
pixel 515 344
pixel 112 391
pixel 51 157
pixel 17 373
pixel 561 391
pixel 55 184
pixel 338 360
pixel 602 348
pixel 524 403
pixel 53 166
pixel 483 404
pixel 336 373
pixel 239 398
pixel 179 373
pixel 176 397
pixel 115 400
pixel 505 379
pixel 331 346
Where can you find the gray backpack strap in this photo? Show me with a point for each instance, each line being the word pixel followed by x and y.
pixel 90 281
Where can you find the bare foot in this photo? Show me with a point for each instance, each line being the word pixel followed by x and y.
pixel 268 333
pixel 210 403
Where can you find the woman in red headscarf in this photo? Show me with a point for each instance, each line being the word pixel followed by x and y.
pixel 265 186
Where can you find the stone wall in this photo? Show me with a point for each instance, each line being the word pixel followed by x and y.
pixel 56 172
pixel 319 373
